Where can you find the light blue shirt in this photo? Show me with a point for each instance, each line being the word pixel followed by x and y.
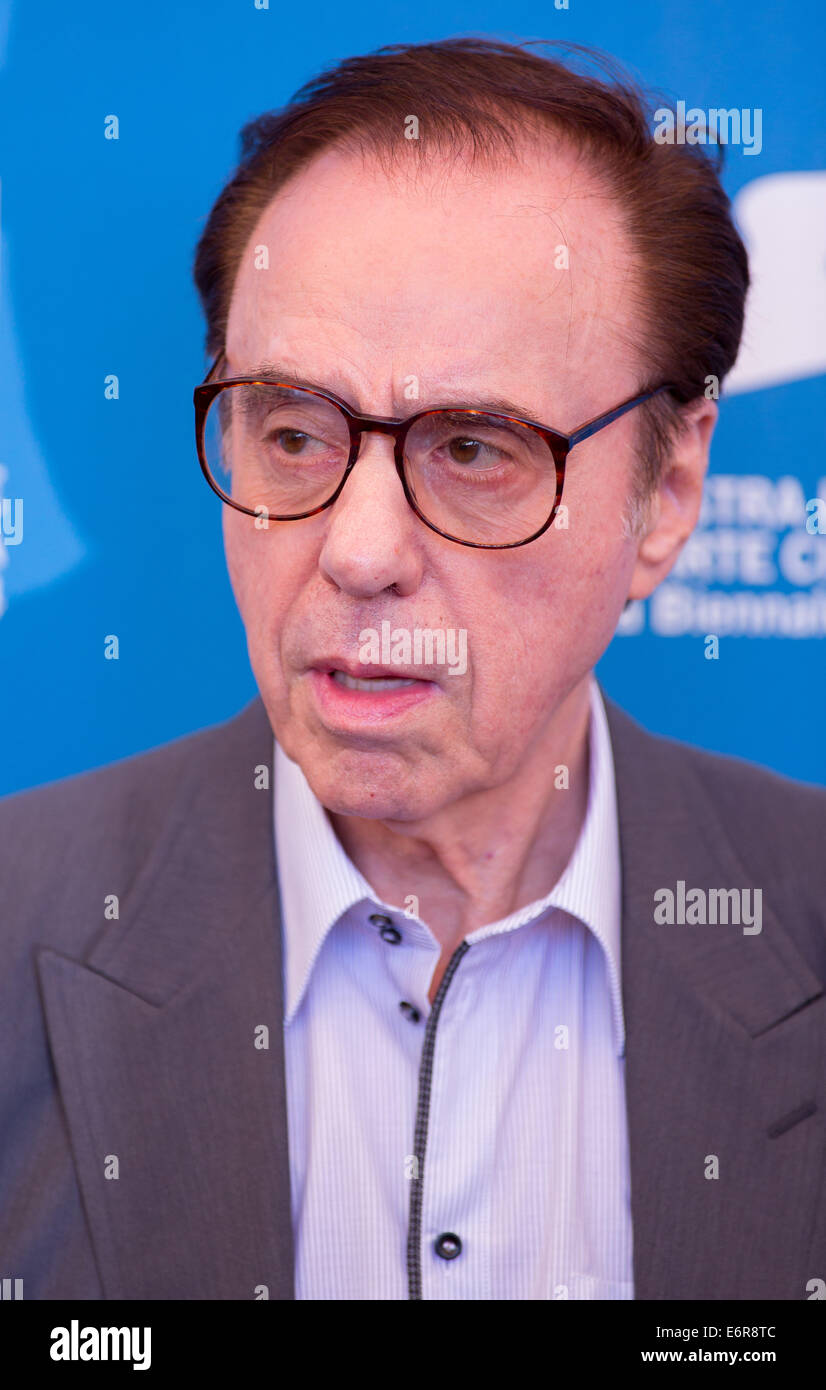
pixel 506 1109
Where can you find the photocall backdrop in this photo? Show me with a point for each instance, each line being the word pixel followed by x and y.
pixel 109 528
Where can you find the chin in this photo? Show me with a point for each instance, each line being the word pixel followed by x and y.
pixel 364 784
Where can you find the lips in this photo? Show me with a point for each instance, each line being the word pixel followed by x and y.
pixel 354 706
pixel 368 675
pixel 371 684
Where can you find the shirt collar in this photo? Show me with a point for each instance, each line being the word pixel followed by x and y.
pixel 319 882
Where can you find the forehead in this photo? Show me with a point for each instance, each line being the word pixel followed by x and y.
pixel 441 273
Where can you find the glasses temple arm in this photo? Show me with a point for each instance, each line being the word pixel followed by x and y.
pixel 592 426
pixel 215 363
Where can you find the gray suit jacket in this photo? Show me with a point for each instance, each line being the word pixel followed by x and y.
pixel 132 1039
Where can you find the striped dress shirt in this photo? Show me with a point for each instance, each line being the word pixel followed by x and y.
pixel 472 1149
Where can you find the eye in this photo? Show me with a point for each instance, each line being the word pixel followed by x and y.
pixel 463 449
pixel 288 439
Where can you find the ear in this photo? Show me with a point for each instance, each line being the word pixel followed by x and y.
pixel 675 505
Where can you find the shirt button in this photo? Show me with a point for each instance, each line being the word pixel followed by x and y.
pixel 410 1011
pixel 448 1245
pixel 391 935
pixel 380 919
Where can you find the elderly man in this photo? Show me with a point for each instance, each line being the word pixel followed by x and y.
pixel 431 975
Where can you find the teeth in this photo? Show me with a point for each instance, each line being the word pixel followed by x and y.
pixel 374 683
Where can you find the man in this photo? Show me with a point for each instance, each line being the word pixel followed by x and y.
pixel 431 975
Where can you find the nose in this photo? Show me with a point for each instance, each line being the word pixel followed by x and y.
pixel 373 539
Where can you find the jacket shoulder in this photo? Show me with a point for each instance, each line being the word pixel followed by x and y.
pixel 777 821
pixel 69 843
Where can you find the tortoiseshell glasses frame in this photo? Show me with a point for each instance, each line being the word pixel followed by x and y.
pixel 558 443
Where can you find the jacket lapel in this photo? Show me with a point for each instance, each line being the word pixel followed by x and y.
pixel 168 1043
pixel 724 1042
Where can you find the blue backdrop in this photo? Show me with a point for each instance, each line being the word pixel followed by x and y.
pixel 97 242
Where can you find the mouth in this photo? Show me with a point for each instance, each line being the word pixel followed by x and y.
pixel 373 684
pixel 347 702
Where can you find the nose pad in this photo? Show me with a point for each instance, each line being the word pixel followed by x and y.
pixel 374 434
pixel 373 502
pixel 403 479
pixel 368 546
pixel 374 446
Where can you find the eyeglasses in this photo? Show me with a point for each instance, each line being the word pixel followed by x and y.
pixel 284 452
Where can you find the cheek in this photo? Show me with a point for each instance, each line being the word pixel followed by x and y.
pixel 549 620
pixel 251 563
pixel 271 573
pixel 235 550
pixel 594 594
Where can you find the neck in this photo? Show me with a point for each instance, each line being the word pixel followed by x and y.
pixel 491 852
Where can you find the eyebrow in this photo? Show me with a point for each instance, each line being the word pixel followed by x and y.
pixel 498 405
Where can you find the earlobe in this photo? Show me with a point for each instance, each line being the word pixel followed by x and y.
pixel 675 506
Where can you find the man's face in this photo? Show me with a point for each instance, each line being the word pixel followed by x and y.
pixel 453 278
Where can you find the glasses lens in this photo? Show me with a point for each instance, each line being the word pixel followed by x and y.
pixel 480 478
pixel 277 450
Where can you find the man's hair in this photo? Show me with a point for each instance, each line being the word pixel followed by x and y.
pixel 488 97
